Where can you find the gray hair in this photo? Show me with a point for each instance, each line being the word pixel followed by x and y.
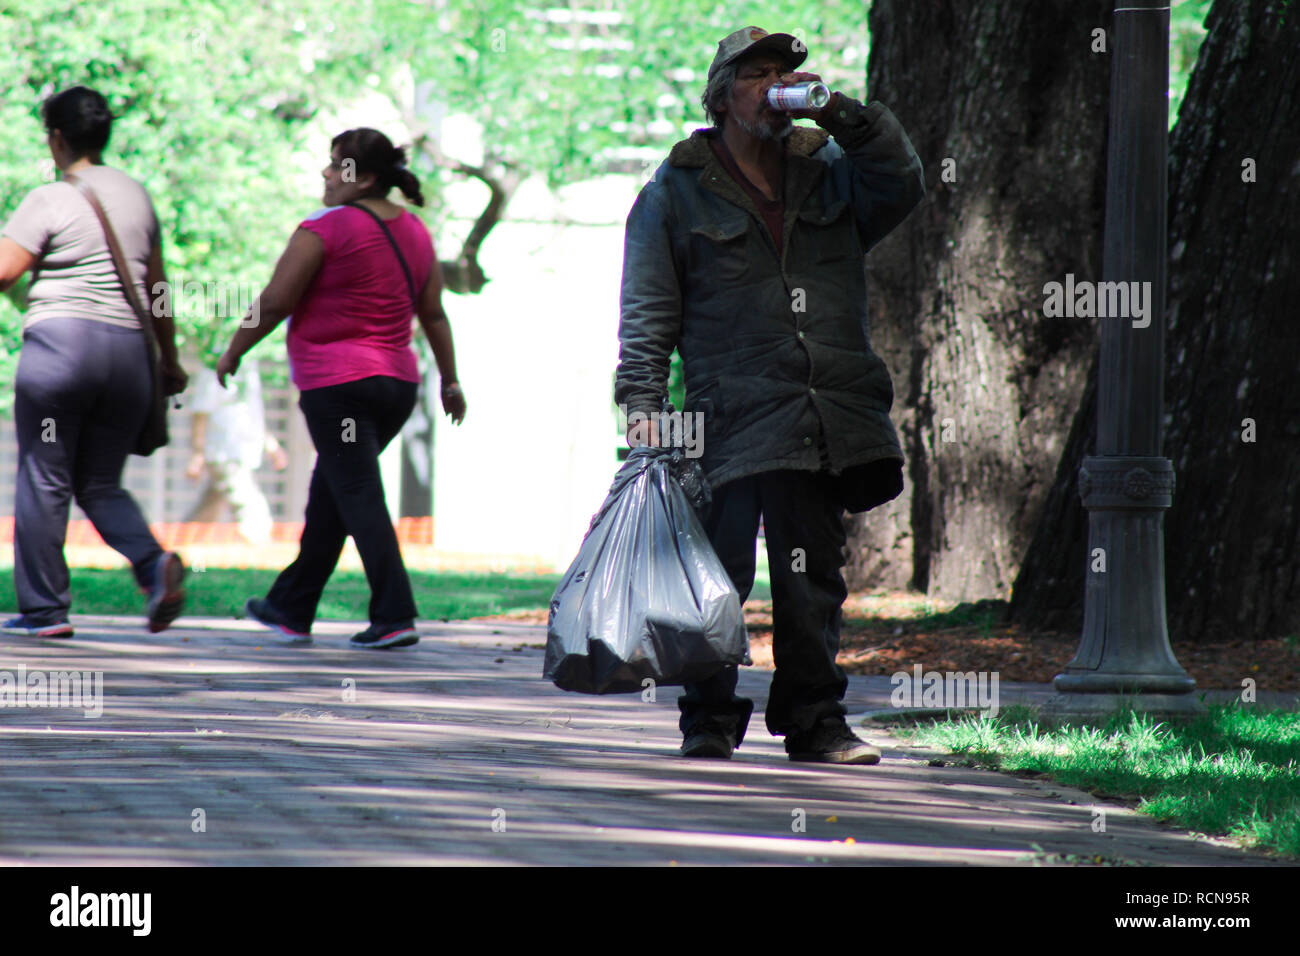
pixel 718 92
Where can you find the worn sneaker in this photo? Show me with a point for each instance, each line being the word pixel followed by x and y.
pixel 22 625
pixel 383 637
pixel 166 596
pixel 262 612
pixel 705 743
pixel 831 741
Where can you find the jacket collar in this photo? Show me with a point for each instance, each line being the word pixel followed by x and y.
pixel 802 172
pixel 803 141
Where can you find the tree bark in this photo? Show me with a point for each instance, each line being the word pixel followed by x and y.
pixel 1232 536
pixel 1010 100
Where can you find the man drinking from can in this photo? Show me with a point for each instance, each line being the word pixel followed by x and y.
pixel 745 253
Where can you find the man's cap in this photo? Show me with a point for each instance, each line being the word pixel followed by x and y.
pixel 755 40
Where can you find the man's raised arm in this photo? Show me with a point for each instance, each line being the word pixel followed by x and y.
pixel 879 169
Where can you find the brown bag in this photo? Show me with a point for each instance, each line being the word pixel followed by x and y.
pixel 154 433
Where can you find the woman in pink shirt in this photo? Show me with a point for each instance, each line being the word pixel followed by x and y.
pixel 352 276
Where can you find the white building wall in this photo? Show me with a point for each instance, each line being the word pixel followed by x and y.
pixel 536 354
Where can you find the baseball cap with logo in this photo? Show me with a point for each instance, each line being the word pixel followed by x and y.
pixel 755 39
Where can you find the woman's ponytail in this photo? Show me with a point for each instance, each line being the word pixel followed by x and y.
pixel 404 179
pixel 410 186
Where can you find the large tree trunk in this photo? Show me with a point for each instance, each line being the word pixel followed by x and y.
pixel 1233 534
pixel 1011 99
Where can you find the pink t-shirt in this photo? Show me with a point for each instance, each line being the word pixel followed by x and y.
pixel 354 320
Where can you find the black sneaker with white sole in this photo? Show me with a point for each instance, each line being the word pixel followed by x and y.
pixel 384 637
pixel 263 613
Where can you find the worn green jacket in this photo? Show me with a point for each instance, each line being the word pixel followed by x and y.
pixel 776 351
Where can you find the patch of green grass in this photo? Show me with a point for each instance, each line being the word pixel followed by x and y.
pixel 1231 772
pixel 221 592
pixel 982 614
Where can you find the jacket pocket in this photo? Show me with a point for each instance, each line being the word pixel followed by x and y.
pixel 829 233
pixel 721 249
pixel 706 400
pixel 825 215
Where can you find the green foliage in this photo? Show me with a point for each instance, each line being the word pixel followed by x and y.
pixel 1186 31
pixel 217 100
pixel 558 89
pixel 212 104
pixel 677 381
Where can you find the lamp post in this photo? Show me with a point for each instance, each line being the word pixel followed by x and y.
pixel 1124 655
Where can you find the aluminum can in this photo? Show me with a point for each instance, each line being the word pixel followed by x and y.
pixel 799 96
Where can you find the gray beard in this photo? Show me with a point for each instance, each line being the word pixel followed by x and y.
pixel 763 131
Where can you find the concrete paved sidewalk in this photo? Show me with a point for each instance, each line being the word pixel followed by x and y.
pixel 218 746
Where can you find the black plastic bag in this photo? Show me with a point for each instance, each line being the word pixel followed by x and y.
pixel 646 597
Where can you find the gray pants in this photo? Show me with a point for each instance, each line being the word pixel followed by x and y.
pixel 82 395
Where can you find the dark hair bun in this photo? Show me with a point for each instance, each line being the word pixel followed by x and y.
pixel 82 116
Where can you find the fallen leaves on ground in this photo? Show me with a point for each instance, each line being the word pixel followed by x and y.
pixel 885 633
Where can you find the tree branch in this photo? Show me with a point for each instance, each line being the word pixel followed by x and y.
pixel 463 274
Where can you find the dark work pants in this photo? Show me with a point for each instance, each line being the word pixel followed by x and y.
pixel 350 425
pixel 801 515
pixel 82 394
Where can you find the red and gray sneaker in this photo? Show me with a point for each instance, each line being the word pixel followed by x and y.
pixel 383 637
pixel 831 741
pixel 166 596
pixel 262 612
pixel 27 628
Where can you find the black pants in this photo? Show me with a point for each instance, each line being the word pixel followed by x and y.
pixel 801 515
pixel 82 394
pixel 350 425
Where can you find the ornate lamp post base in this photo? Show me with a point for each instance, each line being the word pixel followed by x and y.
pixel 1124 658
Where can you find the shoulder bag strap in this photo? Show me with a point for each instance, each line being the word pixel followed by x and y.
pixel 410 282
pixel 119 262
